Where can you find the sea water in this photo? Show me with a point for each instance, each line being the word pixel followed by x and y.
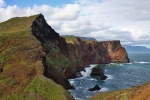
pixel 120 76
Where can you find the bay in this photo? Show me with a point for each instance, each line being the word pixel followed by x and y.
pixel 120 76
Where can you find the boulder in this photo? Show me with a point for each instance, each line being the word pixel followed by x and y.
pixel 98 71
pixel 96 87
pixel 78 74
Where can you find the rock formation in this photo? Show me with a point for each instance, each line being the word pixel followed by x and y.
pixel 98 71
pixel 96 87
pixel 32 54
pixel 30 50
pixel 83 53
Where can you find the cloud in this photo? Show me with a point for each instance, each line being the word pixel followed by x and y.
pixel 68 12
pixel 2 3
pixel 125 20
pixel 128 21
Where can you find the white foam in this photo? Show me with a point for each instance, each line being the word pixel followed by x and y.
pixel 141 62
pixel 116 64
pixel 87 70
pixel 104 89
pixel 71 81
pixel 109 77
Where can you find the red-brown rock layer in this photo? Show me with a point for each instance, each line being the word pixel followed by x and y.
pixel 84 53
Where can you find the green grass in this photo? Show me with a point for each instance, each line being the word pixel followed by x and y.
pixel 4 80
pixel 46 88
pixel 59 62
pixel 17 24
pixel 1 59
pixel 18 96
pixel 89 41
pixel 114 95
pixel 70 39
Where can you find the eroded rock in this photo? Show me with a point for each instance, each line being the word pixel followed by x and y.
pixel 96 87
pixel 98 71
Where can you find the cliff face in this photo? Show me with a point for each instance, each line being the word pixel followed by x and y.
pixel 33 55
pixel 90 52
pixel 56 62
pixel 27 55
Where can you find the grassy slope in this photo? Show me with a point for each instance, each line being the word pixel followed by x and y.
pixel 70 39
pixel 140 92
pixel 41 88
pixel 17 64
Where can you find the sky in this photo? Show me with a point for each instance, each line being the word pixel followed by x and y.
pixel 124 20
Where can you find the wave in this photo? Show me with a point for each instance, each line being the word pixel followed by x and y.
pixel 141 62
pixel 116 64
pixel 87 70
pixel 92 79
pixel 109 77
pixel 71 81
pixel 104 89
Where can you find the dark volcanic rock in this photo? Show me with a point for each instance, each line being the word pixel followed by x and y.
pixel 78 74
pixel 98 71
pixel 96 87
pixel 55 48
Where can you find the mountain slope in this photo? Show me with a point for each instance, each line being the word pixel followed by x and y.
pixel 140 92
pixel 21 63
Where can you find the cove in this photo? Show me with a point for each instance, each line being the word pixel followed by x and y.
pixel 120 76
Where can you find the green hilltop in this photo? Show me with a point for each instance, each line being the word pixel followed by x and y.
pixel 21 68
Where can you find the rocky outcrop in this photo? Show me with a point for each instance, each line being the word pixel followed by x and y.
pixel 30 51
pixel 98 71
pixel 55 50
pixel 88 52
pixel 96 87
pixel 77 52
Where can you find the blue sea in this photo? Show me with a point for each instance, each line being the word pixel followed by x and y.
pixel 120 76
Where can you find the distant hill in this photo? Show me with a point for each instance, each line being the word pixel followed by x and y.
pixel 84 38
pixel 88 38
pixel 130 48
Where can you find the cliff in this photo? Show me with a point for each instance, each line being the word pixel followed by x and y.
pixel 35 60
pixel 83 52
pixel 27 55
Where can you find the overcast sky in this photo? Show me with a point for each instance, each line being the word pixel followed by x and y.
pixel 124 20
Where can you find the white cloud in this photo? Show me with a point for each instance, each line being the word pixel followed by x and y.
pixel 125 20
pixel 2 3
pixel 129 20
pixel 68 12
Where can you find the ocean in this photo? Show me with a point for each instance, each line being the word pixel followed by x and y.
pixel 120 76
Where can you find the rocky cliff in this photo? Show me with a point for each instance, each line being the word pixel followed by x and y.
pixel 30 50
pixel 34 59
pixel 83 53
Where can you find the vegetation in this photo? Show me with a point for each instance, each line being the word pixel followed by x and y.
pixel 17 24
pixel 18 54
pixel 58 60
pixel 89 41
pixel 47 89
pixel 136 93
pixel 70 39
pixel 41 88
